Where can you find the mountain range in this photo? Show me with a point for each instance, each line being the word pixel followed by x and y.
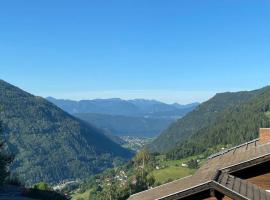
pixel 48 143
pixel 138 117
pixel 117 106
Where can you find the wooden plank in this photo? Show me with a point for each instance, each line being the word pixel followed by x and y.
pixel 256 193
pixel 191 193
pixel 229 193
pixel 230 182
pixel 237 185
pixel 243 188
pixel 224 179
pixel 263 194
pixel 249 190
pixel 267 195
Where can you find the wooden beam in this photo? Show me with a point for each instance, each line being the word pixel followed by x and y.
pixel 247 164
pixel 227 192
pixel 255 170
pixel 192 193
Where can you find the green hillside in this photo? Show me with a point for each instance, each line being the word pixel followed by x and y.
pixel 203 116
pixel 51 145
pixel 236 124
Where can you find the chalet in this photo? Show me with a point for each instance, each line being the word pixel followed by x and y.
pixel 241 172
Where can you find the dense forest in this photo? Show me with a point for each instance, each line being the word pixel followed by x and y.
pixel 5 160
pixel 205 115
pixel 51 145
pixel 236 124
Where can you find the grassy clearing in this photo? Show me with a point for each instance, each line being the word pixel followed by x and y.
pixel 172 169
pixel 171 173
pixel 267 114
pixel 80 196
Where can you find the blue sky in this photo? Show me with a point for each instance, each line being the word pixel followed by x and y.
pixel 176 50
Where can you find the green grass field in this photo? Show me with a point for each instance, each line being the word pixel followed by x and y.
pixel 80 196
pixel 171 173
pixel 267 114
pixel 173 169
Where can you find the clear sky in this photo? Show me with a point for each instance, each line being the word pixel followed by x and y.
pixel 171 50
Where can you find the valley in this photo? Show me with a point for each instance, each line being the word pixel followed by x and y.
pixel 119 155
pixel 196 136
pixel 138 117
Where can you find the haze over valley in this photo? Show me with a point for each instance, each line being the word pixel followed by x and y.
pixel 136 121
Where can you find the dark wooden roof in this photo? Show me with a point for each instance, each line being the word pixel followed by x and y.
pixel 242 187
pixel 244 155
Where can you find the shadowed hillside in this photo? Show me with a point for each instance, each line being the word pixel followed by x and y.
pixel 51 145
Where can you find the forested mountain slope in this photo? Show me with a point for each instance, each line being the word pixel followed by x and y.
pixel 203 117
pixel 236 124
pixel 51 145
